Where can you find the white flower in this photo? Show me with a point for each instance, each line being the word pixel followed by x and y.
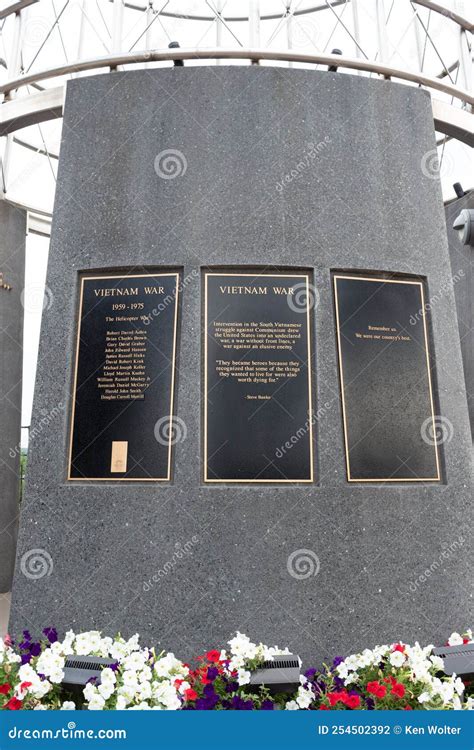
pixel 89 691
pixel 135 661
pixel 144 691
pixel 168 666
pixel 455 639
pixel 146 674
pixel 143 706
pixel 241 645
pixel 437 662
pixel 165 693
pixel 424 697
pixel 469 705
pixel 118 650
pixel 107 675
pixel 121 703
pixel 68 706
pixel 396 658
pixel 243 676
pixel 87 643
pixel 458 685
pixel 292 706
pixel 106 690
pixel 304 697
pixel 96 703
pixel 40 707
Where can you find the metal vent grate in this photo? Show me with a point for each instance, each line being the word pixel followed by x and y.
pixel 289 662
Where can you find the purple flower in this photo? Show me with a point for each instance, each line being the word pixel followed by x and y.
pixel 114 666
pixel 207 703
pixel 26 635
pixel 25 658
pixel 51 634
pixel 35 649
pixel 337 660
pixel 309 674
pixel 239 704
pixel 231 687
pixel 370 704
pixel 24 645
pixel 267 705
pixel 212 673
pixel 338 683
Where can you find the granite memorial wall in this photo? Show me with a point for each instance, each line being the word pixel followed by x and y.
pixel 266 428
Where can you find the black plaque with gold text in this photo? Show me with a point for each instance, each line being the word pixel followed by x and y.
pixel 386 382
pixel 121 425
pixel 258 402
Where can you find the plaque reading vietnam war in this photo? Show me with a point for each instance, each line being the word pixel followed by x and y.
pixel 387 395
pixel 121 426
pixel 258 410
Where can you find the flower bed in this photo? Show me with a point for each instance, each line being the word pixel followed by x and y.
pixel 387 677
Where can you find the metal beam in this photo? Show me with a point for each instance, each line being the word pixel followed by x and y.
pixel 30 110
pixel 16 7
pixel 453 121
pixel 48 104
pixel 447 12
pixel 168 55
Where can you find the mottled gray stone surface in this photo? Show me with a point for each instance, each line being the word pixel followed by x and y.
pixel 462 267
pixel 12 266
pixel 364 202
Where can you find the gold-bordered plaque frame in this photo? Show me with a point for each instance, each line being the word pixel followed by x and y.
pixel 84 279
pixel 309 351
pixel 384 280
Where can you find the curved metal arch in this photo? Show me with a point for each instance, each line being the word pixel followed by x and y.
pixel 48 104
pixel 254 55
pixel 436 7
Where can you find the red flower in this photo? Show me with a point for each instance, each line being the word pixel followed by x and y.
pixel 5 688
pixel 178 683
pixel 399 647
pixel 376 689
pixel 352 701
pixel 213 655
pixel 25 686
pixel 190 694
pixel 465 640
pixel 407 708
pixel 398 689
pixel 334 698
pixel 13 704
pixel 324 708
